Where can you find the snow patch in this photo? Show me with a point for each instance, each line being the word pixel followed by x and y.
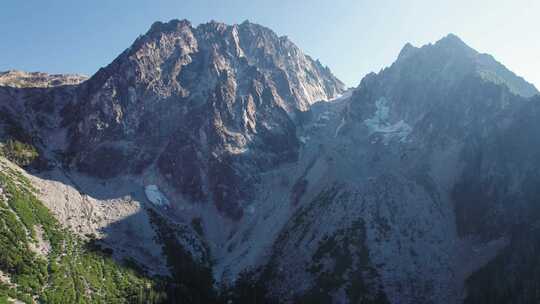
pixel 339 97
pixel 379 123
pixel 324 116
pixel 304 139
pixel 341 124
pixel 155 196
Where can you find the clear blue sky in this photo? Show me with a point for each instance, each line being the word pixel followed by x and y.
pixel 352 37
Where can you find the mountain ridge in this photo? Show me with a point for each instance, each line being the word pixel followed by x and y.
pixel 406 189
pixel 21 79
pixel 485 65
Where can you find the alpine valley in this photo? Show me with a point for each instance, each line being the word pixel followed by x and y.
pixel 220 164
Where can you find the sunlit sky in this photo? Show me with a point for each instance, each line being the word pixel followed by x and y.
pixel 352 37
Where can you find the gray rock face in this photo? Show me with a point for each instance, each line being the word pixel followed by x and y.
pixel 208 107
pixel 420 171
pixel 32 115
pixel 30 106
pixel 426 153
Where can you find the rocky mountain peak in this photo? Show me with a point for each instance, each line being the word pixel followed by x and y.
pixel 450 59
pixel 171 26
pixel 453 41
pixel 188 102
pixel 420 82
pixel 407 50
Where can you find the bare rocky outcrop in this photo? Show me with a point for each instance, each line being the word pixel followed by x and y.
pixel 41 245
pixel 21 79
pixel 116 217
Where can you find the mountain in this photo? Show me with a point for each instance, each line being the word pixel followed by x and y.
pixel 422 164
pixel 461 59
pixel 41 260
pixel 220 164
pixel 197 114
pixel 202 110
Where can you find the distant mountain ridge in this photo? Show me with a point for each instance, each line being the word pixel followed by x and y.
pixel 22 79
pixel 483 64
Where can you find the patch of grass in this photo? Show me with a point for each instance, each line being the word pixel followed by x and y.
pixel 70 273
pixel 77 271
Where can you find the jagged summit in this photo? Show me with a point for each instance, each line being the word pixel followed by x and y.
pixel 173 24
pixel 452 39
pixel 407 50
pixel 450 59
pixel 452 45
pixel 216 101
pixel 259 45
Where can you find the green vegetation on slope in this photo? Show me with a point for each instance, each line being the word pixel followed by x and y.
pixel 340 264
pixel 66 271
pixel 70 270
pixel 342 261
pixel 41 262
pixel 191 282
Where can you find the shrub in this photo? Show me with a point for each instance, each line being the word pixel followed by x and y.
pixel 20 153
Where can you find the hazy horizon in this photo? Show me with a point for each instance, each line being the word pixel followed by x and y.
pixel 352 38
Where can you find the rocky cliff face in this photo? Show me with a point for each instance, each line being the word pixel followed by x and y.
pixel 420 172
pixel 228 148
pixel 30 110
pixel 426 156
pixel 204 109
